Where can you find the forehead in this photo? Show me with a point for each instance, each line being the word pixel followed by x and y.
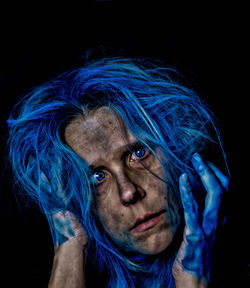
pixel 98 136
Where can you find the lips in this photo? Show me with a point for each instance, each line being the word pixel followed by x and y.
pixel 147 221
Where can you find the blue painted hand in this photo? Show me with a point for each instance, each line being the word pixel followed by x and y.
pixel 67 228
pixel 193 262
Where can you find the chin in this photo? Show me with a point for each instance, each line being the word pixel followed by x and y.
pixel 156 243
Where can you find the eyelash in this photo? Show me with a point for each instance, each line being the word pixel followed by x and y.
pixel 135 149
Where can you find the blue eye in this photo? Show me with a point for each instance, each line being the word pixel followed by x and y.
pixel 139 153
pixel 99 176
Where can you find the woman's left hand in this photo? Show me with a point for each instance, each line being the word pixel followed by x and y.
pixel 193 263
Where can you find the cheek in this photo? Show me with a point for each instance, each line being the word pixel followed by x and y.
pixel 110 216
pixel 114 225
pixel 153 183
pixel 157 179
pixel 156 189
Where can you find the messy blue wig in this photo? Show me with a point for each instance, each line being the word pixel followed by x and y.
pixel 158 110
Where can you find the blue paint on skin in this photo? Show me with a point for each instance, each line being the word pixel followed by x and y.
pixel 63 227
pixel 194 240
pixel 201 236
pixel 189 205
pixel 159 111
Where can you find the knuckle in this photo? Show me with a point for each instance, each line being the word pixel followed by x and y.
pixel 201 170
pixel 210 223
pixel 195 237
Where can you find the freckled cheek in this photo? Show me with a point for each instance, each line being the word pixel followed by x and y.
pixel 156 187
pixel 112 220
pixel 152 184
pixel 157 182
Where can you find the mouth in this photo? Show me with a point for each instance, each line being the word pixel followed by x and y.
pixel 147 221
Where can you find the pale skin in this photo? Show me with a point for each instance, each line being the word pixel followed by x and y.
pixel 128 189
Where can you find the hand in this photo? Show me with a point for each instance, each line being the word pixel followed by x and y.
pixel 64 225
pixel 70 242
pixel 67 228
pixel 193 262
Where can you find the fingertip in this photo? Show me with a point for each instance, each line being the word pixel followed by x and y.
pixel 197 156
pixel 184 184
pixel 184 178
pixel 197 162
pixel 224 180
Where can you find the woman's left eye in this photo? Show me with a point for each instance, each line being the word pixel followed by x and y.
pixel 138 153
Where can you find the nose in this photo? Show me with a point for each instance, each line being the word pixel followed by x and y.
pixel 129 192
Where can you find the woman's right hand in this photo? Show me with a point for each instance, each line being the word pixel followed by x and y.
pixel 70 242
pixel 67 228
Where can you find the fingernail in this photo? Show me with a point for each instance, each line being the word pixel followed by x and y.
pixel 184 178
pixel 197 157
pixel 197 161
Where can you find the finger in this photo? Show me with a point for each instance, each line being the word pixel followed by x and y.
pixel 220 176
pixel 64 226
pixel 209 181
pixel 214 193
pixel 191 251
pixel 190 207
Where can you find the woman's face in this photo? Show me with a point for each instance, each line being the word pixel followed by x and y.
pixel 131 199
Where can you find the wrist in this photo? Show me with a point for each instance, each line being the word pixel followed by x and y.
pixel 68 265
pixel 70 246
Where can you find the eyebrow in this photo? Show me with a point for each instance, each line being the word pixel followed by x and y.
pixel 129 147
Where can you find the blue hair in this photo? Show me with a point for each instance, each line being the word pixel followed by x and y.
pixel 158 110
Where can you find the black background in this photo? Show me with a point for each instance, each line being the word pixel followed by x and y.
pixel 206 43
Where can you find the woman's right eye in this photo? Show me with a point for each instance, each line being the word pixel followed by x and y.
pixel 99 176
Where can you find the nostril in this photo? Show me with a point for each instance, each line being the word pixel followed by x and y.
pixel 133 198
pixel 128 192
